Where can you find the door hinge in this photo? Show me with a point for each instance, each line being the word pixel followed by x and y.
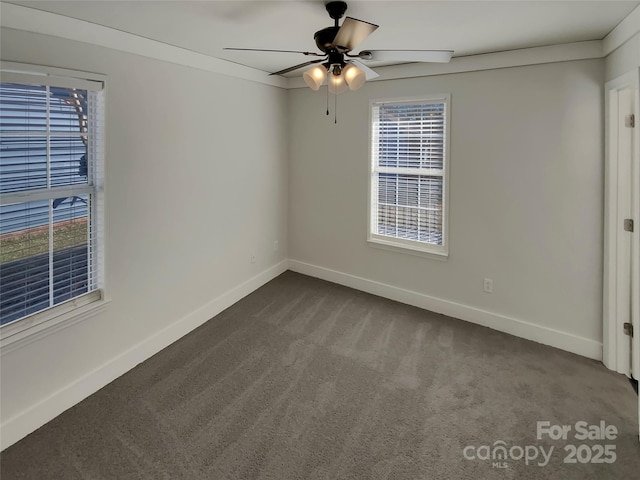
pixel 630 120
pixel 627 328
pixel 628 224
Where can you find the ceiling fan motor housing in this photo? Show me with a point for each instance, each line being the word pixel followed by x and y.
pixel 324 38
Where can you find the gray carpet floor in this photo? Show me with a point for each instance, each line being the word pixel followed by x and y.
pixel 304 379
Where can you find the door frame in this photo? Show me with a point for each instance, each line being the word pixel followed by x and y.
pixel 613 353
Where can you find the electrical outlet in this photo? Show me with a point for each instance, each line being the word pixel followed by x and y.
pixel 487 285
pixel 253 259
pixel 275 246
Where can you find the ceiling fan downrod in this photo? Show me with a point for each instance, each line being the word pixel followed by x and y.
pixel 324 38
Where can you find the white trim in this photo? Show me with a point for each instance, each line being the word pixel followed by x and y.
pixel 12 76
pixel 411 246
pixel 43 71
pixel 31 20
pixel 610 329
pixel 34 416
pixel 537 333
pixel 398 244
pixel 565 52
pixel 381 242
pixel 623 32
pixel 609 343
pixel 45 322
pixel 16 77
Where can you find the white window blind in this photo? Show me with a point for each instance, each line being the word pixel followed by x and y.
pixel 408 175
pixel 51 179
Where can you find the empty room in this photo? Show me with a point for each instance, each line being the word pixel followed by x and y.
pixel 319 240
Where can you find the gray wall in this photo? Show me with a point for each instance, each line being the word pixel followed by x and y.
pixel 196 182
pixel 526 192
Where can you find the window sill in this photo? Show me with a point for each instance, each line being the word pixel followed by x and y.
pixel 408 249
pixel 42 324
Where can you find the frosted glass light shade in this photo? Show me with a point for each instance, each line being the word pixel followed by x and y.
pixel 354 77
pixel 314 77
pixel 337 84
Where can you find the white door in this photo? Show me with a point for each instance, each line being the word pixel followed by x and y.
pixel 633 129
pixel 630 137
pixel 625 238
pixel 621 336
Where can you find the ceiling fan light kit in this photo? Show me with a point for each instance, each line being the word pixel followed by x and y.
pixel 314 77
pixel 339 78
pixel 354 77
pixel 337 84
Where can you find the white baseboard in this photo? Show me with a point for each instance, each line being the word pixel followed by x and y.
pixel 530 331
pixel 45 410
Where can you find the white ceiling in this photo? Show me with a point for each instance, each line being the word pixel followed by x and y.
pixel 467 27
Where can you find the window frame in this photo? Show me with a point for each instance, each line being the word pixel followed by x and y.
pixel 413 247
pixel 44 322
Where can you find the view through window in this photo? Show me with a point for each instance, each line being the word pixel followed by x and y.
pixel 49 177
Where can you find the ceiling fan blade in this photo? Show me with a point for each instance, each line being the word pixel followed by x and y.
pixel 435 56
pixel 278 51
pixel 352 33
pixel 295 67
pixel 367 71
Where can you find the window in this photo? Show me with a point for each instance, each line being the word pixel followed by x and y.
pixel 409 151
pixel 51 189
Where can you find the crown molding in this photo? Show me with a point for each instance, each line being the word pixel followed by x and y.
pixel 624 31
pixel 28 19
pixel 489 61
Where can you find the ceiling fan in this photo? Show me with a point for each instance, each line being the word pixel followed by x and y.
pixel 346 68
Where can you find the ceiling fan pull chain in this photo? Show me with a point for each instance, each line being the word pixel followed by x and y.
pixel 327 99
pixel 335 108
